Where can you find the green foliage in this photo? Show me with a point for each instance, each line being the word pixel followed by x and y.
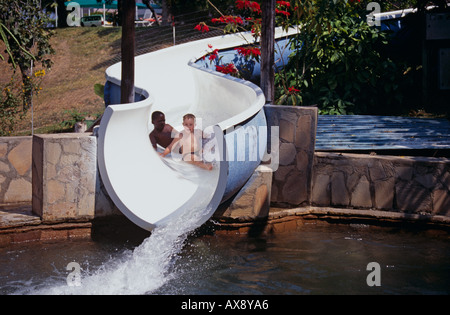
pixel 6 36
pixel 27 25
pixel 74 116
pixel 23 32
pixel 26 38
pixel 340 62
pixel 11 100
pixel 99 90
pixel 10 108
pixel 337 62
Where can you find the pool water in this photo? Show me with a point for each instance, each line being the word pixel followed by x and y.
pixel 316 259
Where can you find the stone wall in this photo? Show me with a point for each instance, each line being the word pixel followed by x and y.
pixel 291 185
pixel 15 170
pixel 252 202
pixel 418 185
pixel 66 182
pixel 64 176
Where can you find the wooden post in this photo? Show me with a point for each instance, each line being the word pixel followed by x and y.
pixel 128 47
pixel 267 49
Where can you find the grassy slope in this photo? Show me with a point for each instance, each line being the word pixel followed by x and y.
pixel 69 85
pixel 82 56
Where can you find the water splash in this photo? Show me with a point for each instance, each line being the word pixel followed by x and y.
pixel 146 268
pixel 142 271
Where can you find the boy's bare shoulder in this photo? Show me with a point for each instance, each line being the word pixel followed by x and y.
pixel 167 128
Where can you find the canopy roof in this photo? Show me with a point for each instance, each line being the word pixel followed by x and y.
pixel 108 5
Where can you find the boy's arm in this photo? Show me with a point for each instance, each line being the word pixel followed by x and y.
pixel 169 147
pixel 153 140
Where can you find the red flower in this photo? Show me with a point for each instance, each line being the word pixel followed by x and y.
pixel 238 20
pixel 285 13
pixel 249 52
pixel 202 27
pixel 293 90
pixel 250 5
pixel 228 19
pixel 214 54
pixel 256 24
pixel 284 3
pixel 227 69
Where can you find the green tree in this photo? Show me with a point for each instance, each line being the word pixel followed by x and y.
pixel 336 61
pixel 339 62
pixel 27 39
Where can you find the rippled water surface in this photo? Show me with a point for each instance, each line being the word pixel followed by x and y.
pixel 329 259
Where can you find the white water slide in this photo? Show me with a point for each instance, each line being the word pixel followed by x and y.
pixel 151 190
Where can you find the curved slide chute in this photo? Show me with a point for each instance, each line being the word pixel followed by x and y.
pixel 151 190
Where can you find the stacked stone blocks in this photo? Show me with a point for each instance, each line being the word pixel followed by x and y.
pixel 67 186
pixel 406 184
pixel 291 183
pixel 15 170
pixel 64 176
pixel 252 202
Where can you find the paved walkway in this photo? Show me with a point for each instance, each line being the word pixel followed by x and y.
pixel 19 225
pixel 17 215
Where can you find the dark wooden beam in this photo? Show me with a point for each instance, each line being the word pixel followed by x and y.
pixel 267 49
pixel 128 48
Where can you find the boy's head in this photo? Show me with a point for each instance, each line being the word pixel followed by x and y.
pixel 159 120
pixel 189 122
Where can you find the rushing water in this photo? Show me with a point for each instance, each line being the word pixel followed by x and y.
pixel 125 271
pixel 315 259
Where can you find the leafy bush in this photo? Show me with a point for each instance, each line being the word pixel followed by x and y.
pixel 26 39
pixel 10 109
pixel 339 62
pixel 74 117
pixel 11 100
pixel 336 62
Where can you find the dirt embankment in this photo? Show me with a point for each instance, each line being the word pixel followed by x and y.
pixel 81 58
